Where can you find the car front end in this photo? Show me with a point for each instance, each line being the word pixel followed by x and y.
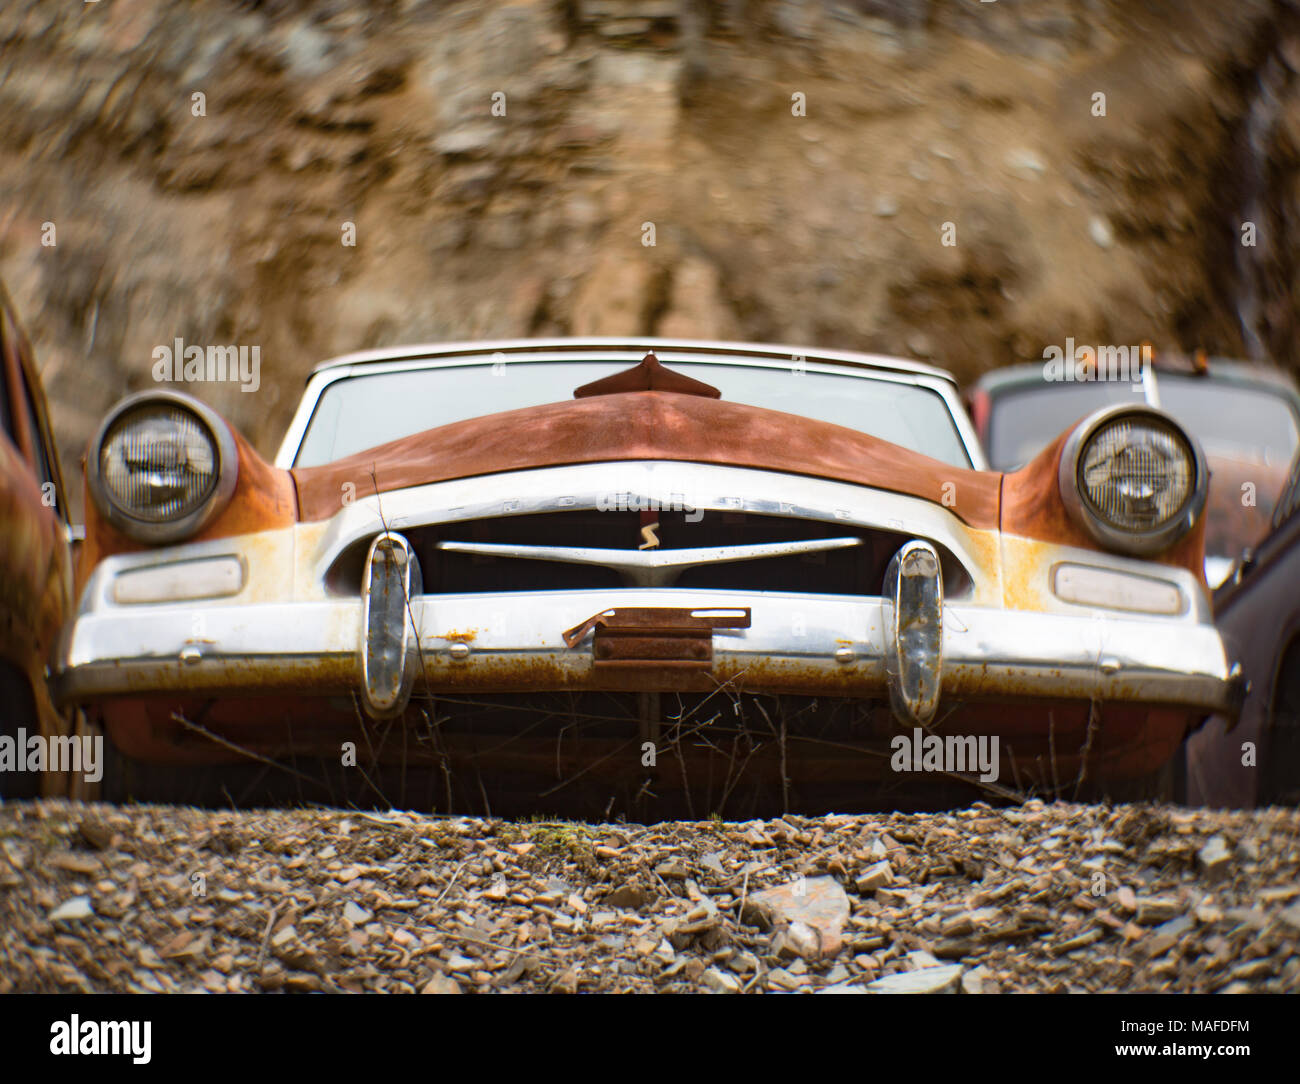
pixel 649 569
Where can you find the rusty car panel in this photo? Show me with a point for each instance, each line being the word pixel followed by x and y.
pixel 35 558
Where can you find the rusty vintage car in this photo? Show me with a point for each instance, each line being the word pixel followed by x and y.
pixel 639 576
pixel 35 572
pixel 1246 416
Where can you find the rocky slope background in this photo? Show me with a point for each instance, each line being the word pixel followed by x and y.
pixel 191 171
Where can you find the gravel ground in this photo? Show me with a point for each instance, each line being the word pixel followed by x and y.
pixel 1032 898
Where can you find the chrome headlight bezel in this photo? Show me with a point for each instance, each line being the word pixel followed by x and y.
pixel 1137 543
pixel 173 530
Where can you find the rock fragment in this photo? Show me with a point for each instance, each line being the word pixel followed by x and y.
pixel 944 979
pixel 1215 859
pixel 72 910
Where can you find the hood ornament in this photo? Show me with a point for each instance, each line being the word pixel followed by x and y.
pixel 647 375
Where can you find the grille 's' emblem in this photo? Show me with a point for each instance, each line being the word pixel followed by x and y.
pixel 650 540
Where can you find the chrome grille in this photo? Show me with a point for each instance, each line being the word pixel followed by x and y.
pixel 803 555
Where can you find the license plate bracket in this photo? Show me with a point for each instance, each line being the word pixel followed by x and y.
pixel 646 637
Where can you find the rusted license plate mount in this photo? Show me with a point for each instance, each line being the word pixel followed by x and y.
pixel 661 636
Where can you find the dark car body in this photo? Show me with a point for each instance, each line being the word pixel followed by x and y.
pixel 1257 761
pixel 35 558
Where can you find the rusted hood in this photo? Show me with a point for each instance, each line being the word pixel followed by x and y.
pixel 648 425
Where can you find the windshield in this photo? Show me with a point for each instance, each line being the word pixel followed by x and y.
pixel 363 411
pixel 1233 422
pixel 1025 421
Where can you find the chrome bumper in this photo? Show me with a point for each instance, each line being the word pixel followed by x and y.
pixel 819 645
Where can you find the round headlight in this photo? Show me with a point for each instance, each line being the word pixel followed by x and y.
pixel 1133 479
pixel 161 466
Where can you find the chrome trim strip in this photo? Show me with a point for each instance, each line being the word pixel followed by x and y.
pixel 650 567
pixel 606 343
pixel 672 484
pixel 1150 387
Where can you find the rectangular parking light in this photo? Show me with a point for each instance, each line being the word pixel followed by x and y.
pixel 208 577
pixel 1084 585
